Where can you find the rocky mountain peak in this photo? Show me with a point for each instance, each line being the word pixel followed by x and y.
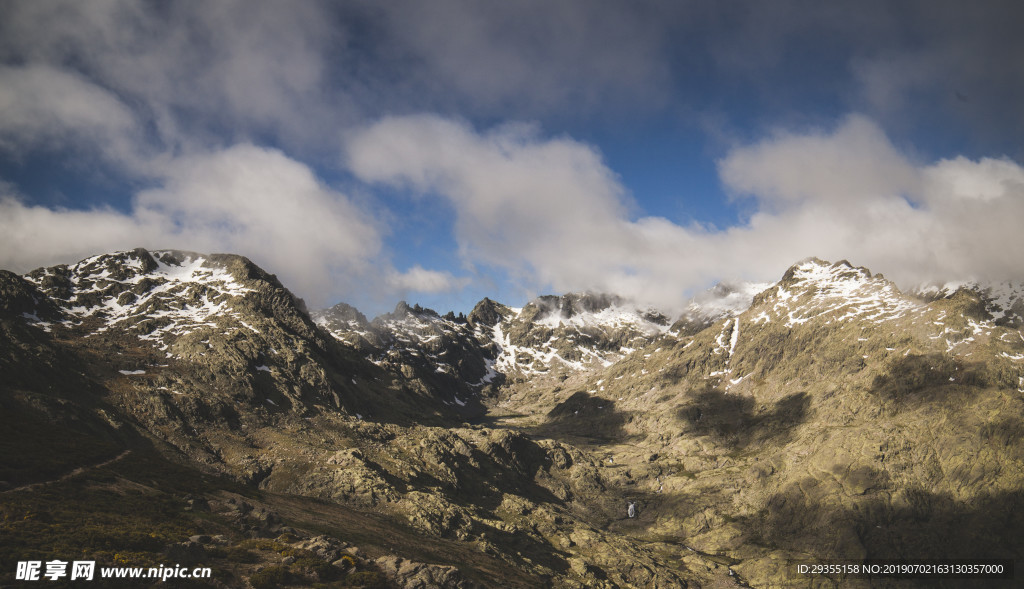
pixel 815 288
pixel 487 313
pixel 404 311
pixel 594 310
pixel 344 312
pixel 813 271
pixel 160 296
pixel 572 304
pixel 345 323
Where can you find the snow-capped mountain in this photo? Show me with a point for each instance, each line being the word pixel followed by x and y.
pixel 550 334
pixel 443 353
pixel 852 299
pixel 161 296
pixel 838 292
pixel 570 332
pixel 198 334
pixel 1003 300
pixel 722 300
pixel 553 335
pixel 867 319
pixel 182 305
pixel 826 415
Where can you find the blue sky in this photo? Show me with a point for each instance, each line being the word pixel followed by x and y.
pixel 449 150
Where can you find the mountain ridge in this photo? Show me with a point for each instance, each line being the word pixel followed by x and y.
pixel 834 416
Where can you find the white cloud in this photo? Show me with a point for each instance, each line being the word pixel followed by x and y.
pixel 517 197
pixel 552 214
pixel 852 194
pixel 856 161
pixel 419 279
pixel 548 211
pixel 244 199
pixel 986 179
pixel 271 208
pixel 44 107
pixel 245 70
pixel 32 236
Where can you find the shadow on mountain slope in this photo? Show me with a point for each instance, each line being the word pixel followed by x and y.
pixel 918 379
pixel 736 421
pixel 914 523
pixel 508 464
pixel 586 416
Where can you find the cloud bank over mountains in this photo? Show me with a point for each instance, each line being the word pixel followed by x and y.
pixel 298 134
pixel 549 209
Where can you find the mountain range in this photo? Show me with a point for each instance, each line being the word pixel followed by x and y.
pixel 169 406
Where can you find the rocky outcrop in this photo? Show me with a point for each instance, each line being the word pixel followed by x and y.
pixel 417 575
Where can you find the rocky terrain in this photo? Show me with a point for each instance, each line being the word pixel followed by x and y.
pixel 826 416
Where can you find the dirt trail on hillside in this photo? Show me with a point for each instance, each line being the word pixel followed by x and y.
pixel 69 475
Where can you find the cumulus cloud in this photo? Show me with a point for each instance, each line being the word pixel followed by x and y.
pixel 546 210
pixel 419 279
pixel 863 200
pixel 273 208
pixel 986 179
pixel 44 107
pixel 854 162
pixel 549 211
pixel 517 197
pixel 32 236
pixel 243 199
pixel 178 98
